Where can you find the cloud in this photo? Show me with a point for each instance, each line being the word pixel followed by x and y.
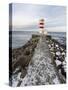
pixel 26 16
pixel 56 29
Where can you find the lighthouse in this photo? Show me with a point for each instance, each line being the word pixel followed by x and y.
pixel 42 26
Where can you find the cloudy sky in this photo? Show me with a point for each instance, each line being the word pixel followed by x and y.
pixel 27 16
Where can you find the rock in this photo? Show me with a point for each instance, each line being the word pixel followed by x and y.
pixel 51 49
pixel 24 61
pixel 58 53
pixel 54 58
pixel 58 48
pixel 57 62
pixel 52 45
pixel 57 45
pixel 63 72
pixel 53 53
pixel 17 70
pixel 60 58
pixel 63 53
pixel 23 73
pixel 19 83
pixel 59 67
pixel 64 65
pixel 57 58
pixel 27 51
pixel 49 46
pixel 64 62
pixel 61 49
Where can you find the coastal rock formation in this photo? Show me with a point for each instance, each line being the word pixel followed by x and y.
pixel 41 70
pixel 39 62
pixel 58 52
pixel 21 57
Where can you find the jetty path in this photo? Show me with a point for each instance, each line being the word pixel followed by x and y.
pixel 41 70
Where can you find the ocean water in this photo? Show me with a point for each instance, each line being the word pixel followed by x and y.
pixel 19 38
pixel 59 36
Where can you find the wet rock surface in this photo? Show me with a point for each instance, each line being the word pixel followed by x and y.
pixel 21 58
pixel 41 70
pixel 58 52
pixel 39 63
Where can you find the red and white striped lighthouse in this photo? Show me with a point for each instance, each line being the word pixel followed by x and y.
pixel 41 26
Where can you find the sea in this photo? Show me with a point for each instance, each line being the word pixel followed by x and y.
pixel 20 38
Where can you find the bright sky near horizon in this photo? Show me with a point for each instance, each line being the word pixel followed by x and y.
pixel 26 17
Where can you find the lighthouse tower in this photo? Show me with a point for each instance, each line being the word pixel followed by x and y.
pixel 41 26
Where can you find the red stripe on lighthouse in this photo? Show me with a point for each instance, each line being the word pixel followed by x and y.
pixel 41 23
pixel 41 27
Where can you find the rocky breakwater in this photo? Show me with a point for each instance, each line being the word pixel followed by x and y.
pixel 21 58
pixel 58 52
pixel 41 70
